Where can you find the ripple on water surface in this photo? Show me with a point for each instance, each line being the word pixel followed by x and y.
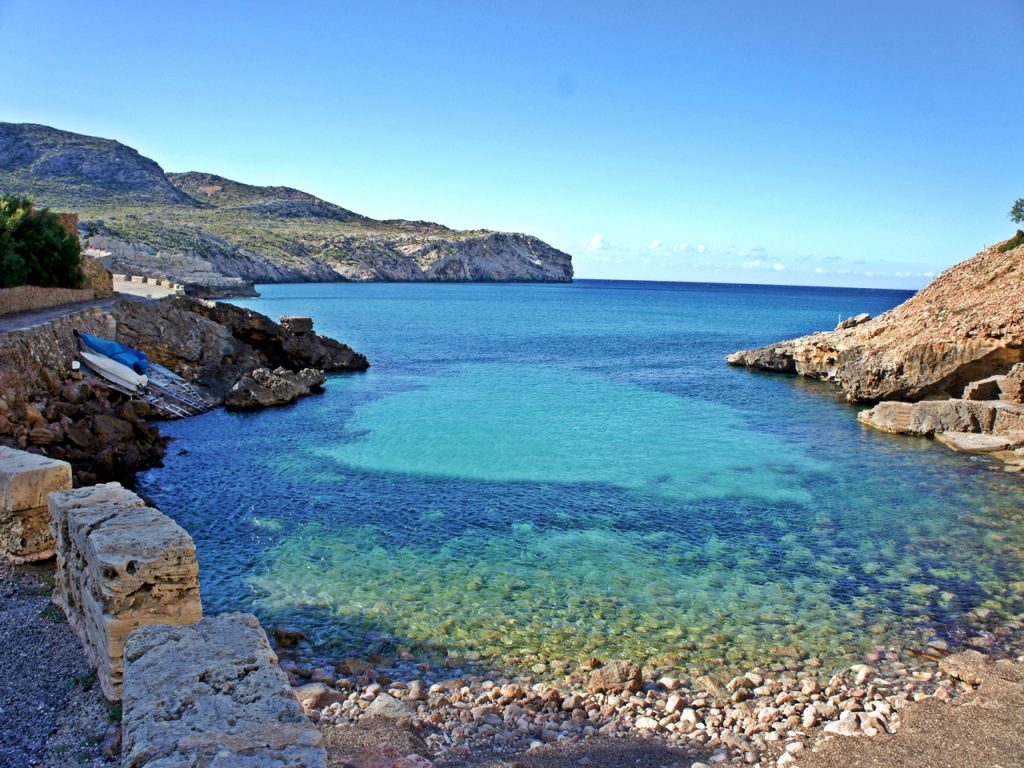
pixel 548 506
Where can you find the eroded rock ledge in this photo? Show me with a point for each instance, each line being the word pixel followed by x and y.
pixel 966 325
pixel 945 364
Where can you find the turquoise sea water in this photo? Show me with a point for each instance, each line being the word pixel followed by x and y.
pixel 551 472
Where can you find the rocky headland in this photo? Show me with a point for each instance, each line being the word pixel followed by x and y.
pixel 946 363
pixel 217 237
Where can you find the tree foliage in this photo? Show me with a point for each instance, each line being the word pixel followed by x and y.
pixel 35 249
pixel 1017 211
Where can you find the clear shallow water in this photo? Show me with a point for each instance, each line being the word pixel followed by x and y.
pixel 551 472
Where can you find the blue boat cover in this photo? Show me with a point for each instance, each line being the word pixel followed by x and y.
pixel 133 358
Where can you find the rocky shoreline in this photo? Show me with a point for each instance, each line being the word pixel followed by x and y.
pixel 234 356
pixel 455 714
pixel 947 364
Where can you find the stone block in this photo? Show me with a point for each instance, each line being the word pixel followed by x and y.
pixel 25 481
pixel 297 324
pixel 27 478
pixel 120 565
pixel 212 694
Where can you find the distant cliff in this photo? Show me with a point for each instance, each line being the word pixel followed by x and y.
pixel 966 325
pixel 206 231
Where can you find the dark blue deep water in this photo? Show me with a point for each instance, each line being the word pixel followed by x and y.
pixel 543 472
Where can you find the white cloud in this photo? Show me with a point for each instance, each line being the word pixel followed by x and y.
pixel 681 248
pixel 654 245
pixel 776 266
pixel 701 248
pixel 647 261
pixel 595 243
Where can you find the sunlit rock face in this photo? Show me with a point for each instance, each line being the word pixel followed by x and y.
pixel 968 324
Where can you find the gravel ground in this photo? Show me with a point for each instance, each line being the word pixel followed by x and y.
pixel 52 713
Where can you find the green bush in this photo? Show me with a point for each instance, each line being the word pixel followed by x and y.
pixel 1014 242
pixel 35 249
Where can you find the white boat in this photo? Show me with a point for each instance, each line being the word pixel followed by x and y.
pixel 115 372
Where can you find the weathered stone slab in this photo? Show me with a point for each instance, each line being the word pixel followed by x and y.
pixel 25 535
pixel 973 442
pixel 120 565
pixel 27 478
pixel 929 417
pixel 25 481
pixel 212 694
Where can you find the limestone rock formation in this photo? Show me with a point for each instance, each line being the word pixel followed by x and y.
pixel 214 345
pixel 26 479
pixel 930 417
pixel 264 387
pixel 120 565
pixel 968 324
pixel 212 694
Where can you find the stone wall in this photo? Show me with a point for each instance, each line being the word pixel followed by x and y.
pixel 25 481
pixel 120 565
pixel 38 359
pixel 212 694
pixel 28 298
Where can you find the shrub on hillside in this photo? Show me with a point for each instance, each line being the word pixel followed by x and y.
pixel 35 249
pixel 1014 242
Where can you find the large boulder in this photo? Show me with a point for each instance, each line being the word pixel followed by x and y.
pixel 264 387
pixel 212 694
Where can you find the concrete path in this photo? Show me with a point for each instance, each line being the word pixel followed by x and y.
pixel 123 289
pixel 20 321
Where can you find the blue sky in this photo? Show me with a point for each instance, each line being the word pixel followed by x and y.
pixel 858 143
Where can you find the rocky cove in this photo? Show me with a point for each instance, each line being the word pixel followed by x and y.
pixel 393 706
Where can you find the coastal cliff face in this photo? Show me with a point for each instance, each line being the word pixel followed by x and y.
pixel 212 234
pixel 966 325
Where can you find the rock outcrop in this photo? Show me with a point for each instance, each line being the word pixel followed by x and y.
pixel 967 325
pixel 212 694
pixel 47 407
pixel 120 565
pixel 216 345
pixel 26 480
pixel 264 388
pixel 946 363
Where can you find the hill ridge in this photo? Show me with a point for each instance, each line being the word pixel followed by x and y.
pixel 212 233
